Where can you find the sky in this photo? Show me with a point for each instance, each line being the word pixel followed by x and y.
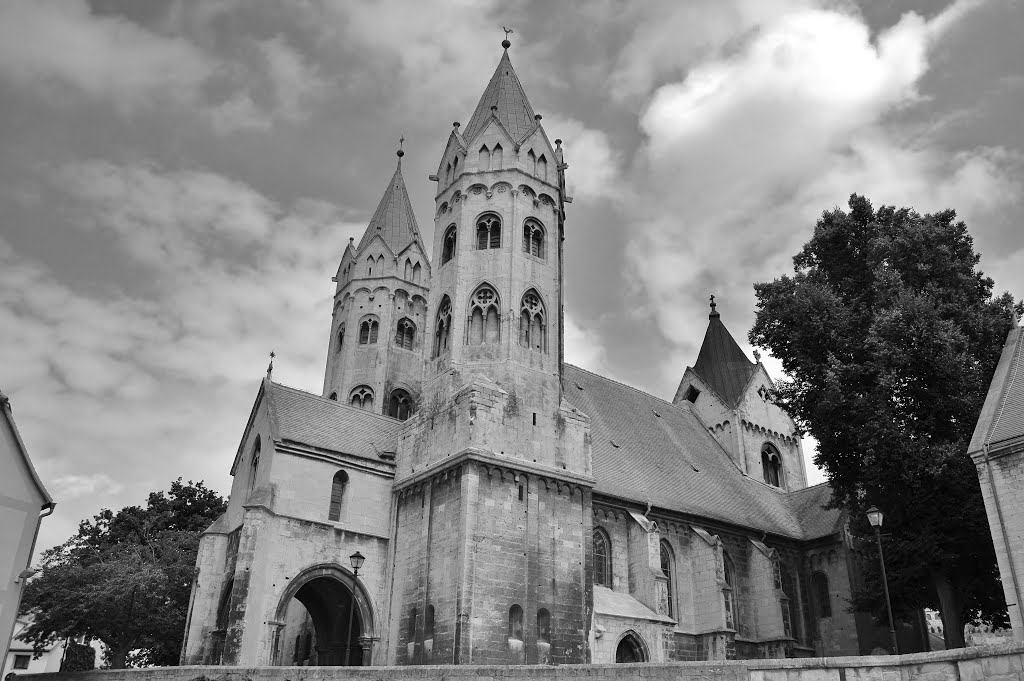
pixel 179 179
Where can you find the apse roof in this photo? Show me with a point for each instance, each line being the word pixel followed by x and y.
pixel 1002 416
pixel 513 108
pixel 721 363
pixel 394 219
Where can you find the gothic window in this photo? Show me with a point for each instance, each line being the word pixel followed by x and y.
pixel 515 623
pixel 667 565
pixel 448 173
pixel 488 232
pixel 428 623
pixel 442 327
pixel 785 598
pixel 602 558
pixel 333 396
pixel 728 595
pixel 362 397
pixel 380 266
pixel 484 317
pixel 771 464
pixel 368 331
pixel 399 405
pixel 531 162
pixel 337 495
pixel 532 324
pixel 341 337
pixel 496 157
pixel 369 266
pixel 533 238
pixel 405 334
pixel 408 269
pixel 544 625
pixel 820 595
pixel 416 271
pixel 542 168
pixel 448 248
pixel 254 468
pixel 484 161
pixel 455 167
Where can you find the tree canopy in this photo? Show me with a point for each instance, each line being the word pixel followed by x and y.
pixel 125 578
pixel 890 334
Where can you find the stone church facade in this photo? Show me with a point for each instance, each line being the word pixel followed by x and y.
pixel 511 508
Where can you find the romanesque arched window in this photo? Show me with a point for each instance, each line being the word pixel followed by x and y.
pixel 443 327
pixel 362 397
pixel 515 623
pixel 341 337
pixel 448 247
pixel 484 158
pixel 602 558
pixel 820 595
pixel 405 333
pixel 533 238
pixel 368 331
pixel 496 159
pixel 544 626
pixel 488 232
pixel 728 593
pixel 399 404
pixel 532 322
pixel 668 567
pixel 484 317
pixel 338 486
pixel 771 464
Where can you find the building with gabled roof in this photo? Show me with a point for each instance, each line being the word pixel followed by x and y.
pixel 510 508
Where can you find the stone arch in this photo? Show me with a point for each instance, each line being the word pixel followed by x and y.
pixel 631 647
pixel 322 590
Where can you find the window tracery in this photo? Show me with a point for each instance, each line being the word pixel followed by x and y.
pixel 488 232
pixel 442 327
pixel 405 334
pixel 602 558
pixel 533 238
pixel 368 331
pixel 532 322
pixel 484 317
pixel 400 405
pixel 362 397
pixel 667 566
pixel 771 465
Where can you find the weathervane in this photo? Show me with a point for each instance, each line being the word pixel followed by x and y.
pixel 505 43
pixel 401 141
pixel 270 367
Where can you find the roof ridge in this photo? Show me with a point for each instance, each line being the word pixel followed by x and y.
pixel 626 385
pixel 795 492
pixel 337 403
pixel 1015 362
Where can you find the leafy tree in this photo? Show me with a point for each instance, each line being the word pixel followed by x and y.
pixel 125 578
pixel 891 336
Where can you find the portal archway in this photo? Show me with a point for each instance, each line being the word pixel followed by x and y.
pixel 630 648
pixel 315 612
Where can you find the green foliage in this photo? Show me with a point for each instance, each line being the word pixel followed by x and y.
pixel 891 335
pixel 78 657
pixel 125 578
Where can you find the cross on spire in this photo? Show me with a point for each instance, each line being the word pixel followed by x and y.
pixel 714 312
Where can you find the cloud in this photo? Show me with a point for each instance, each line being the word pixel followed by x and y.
pixel 594 163
pixel 66 487
pixel 583 348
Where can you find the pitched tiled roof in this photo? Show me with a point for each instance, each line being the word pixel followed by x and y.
pixel 393 220
pixel 506 92
pixel 618 604
pixel 319 422
pixel 648 450
pixel 808 505
pixel 722 364
pixel 1002 416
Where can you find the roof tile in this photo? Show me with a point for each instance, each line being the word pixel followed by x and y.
pixel 394 219
pixel 506 92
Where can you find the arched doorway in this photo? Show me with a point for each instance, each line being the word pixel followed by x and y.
pixel 316 611
pixel 630 649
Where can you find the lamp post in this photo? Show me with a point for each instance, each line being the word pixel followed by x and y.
pixel 875 517
pixel 357 562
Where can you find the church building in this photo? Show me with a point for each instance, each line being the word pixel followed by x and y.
pixel 458 494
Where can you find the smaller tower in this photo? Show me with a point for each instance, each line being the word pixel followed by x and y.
pixel 374 356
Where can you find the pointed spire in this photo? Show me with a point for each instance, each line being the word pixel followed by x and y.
pixel 721 362
pixel 505 99
pixel 394 219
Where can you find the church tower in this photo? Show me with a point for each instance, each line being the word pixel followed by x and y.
pixel 379 324
pixel 493 476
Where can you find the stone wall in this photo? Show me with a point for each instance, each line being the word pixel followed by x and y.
pixel 999 663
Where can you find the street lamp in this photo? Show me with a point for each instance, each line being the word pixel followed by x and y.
pixel 875 519
pixel 357 562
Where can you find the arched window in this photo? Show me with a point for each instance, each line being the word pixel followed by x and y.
pixel 399 405
pixel 515 623
pixel 727 591
pixel 428 623
pixel 405 334
pixel 443 327
pixel 368 331
pixel 369 266
pixel 448 249
pixel 820 595
pixel 411 632
pixel 533 238
pixel 380 265
pixel 455 167
pixel 532 322
pixel 602 558
pixel 484 317
pixel 362 397
pixel 408 269
pixel 337 495
pixel 496 157
pixel 341 337
pixel 448 173
pixel 333 396
pixel 531 162
pixel 544 625
pixel 785 598
pixel 255 467
pixel 667 566
pixel 484 159
pixel 416 271
pixel 542 168
pixel 488 232
pixel 771 464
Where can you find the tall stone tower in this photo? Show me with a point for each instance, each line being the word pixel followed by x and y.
pixel 379 325
pixel 493 474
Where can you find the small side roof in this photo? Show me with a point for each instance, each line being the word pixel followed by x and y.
pixel 1002 416
pixel 5 410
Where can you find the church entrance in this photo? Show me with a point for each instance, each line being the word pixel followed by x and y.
pixel 324 625
pixel 630 649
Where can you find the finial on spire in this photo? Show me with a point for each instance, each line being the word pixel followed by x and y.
pixel 714 312
pixel 505 43
pixel 400 153
pixel 270 367
pixel 757 356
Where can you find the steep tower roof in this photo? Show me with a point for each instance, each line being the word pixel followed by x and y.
pixel 505 92
pixel 721 363
pixel 1002 417
pixel 393 220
